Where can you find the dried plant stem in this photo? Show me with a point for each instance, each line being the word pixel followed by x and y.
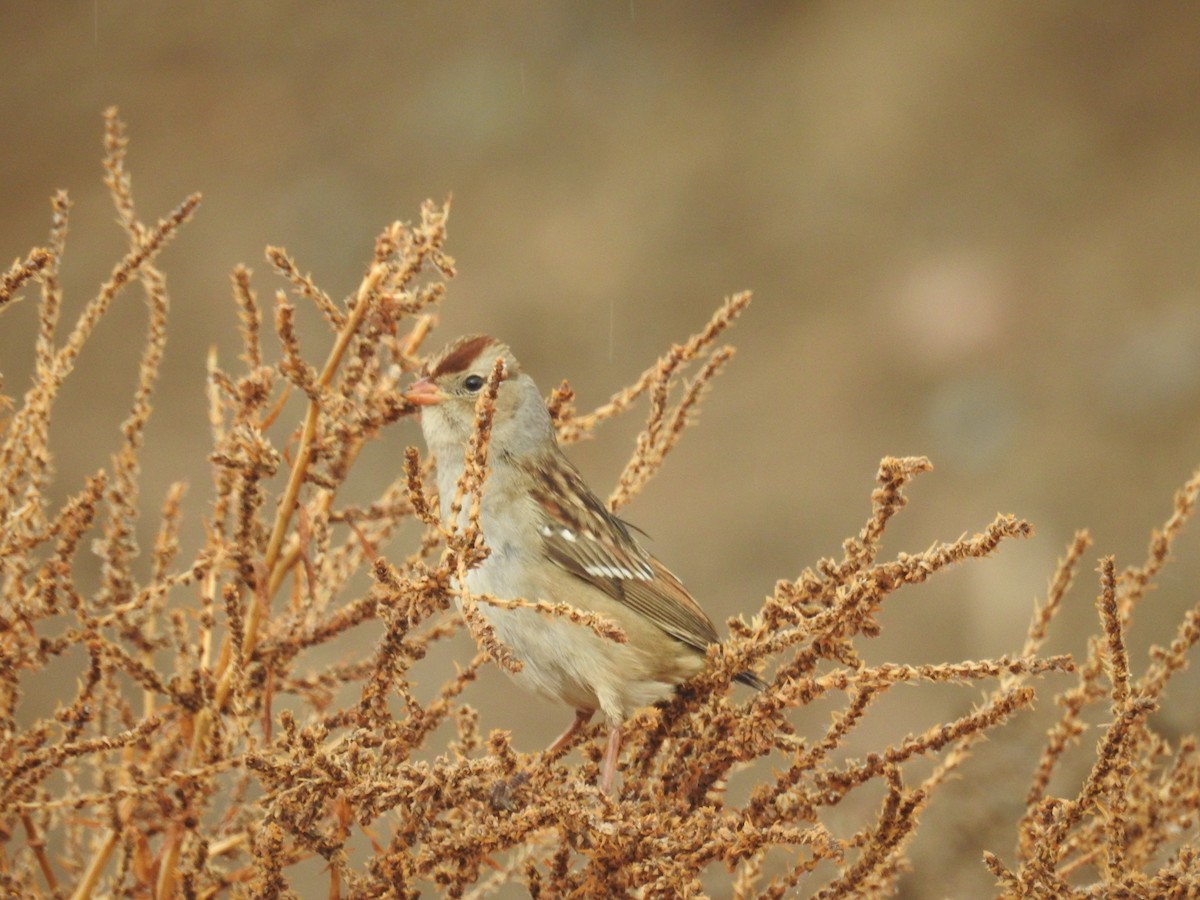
pixel 35 843
pixel 660 374
pixel 22 271
pixel 96 867
pixel 601 626
pixel 271 559
pixel 465 545
pixel 283 515
pixel 1064 576
pixel 1117 659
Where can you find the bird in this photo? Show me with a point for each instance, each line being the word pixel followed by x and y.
pixel 552 539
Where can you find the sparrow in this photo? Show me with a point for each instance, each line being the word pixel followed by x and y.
pixel 552 539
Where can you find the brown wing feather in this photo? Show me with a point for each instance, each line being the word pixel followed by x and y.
pixel 668 604
pixel 594 545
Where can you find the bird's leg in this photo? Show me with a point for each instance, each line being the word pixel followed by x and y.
pixel 610 757
pixel 582 717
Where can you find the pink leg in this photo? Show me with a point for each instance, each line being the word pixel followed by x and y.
pixel 582 717
pixel 610 757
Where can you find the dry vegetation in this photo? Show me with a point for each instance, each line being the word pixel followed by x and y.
pixel 205 752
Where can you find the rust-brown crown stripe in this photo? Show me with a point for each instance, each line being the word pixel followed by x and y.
pixel 459 356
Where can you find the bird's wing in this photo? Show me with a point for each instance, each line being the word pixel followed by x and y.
pixel 583 537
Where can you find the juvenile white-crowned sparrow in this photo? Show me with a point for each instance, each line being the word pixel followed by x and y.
pixel 552 539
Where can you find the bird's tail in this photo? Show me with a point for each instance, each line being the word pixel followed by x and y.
pixel 751 680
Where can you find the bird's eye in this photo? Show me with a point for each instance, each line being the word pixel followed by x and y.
pixel 473 382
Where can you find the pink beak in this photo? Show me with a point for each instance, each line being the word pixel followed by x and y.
pixel 423 392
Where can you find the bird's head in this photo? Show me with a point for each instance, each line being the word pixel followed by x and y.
pixel 449 387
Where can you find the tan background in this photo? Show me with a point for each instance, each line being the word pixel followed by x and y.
pixel 971 230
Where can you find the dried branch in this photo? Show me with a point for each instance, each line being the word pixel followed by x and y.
pixel 218 725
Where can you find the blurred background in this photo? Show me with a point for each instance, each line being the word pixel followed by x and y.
pixel 970 228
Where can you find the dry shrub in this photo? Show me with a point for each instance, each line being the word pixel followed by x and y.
pixel 1132 829
pixel 205 751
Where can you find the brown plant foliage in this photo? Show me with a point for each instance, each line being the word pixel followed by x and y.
pixel 206 753
pixel 1132 829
